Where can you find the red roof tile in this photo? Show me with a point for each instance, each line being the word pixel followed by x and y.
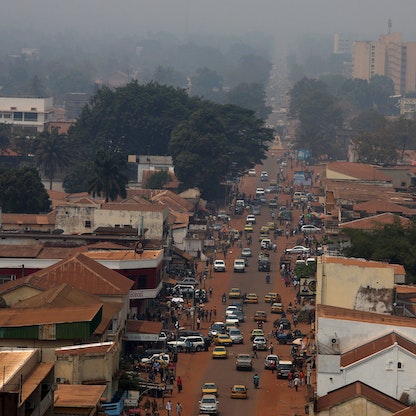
pixel 374 222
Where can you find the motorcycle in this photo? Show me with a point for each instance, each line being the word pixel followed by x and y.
pixel 224 298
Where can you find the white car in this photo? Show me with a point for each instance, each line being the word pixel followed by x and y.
pixel 309 228
pixel 252 172
pixel 246 252
pixel 260 343
pixel 251 219
pixel 298 250
pixel 208 404
pixel 240 265
pixel 219 266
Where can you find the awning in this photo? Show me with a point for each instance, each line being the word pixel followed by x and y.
pixel 137 330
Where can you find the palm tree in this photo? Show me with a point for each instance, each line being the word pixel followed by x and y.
pixel 108 175
pixel 51 153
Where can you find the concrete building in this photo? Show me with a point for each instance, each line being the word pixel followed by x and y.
pixel 356 283
pixel 390 57
pixel 342 45
pixel 26 114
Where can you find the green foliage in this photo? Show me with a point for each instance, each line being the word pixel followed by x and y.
pixel 158 179
pixel 392 243
pixel 207 84
pixel 52 151
pixel 108 177
pixel 318 116
pixel 22 192
pixel 167 75
pixel 251 96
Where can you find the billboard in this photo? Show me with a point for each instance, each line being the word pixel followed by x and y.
pixel 303 178
pixel 303 154
pixel 307 286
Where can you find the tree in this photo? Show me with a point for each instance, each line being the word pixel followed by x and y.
pixel 251 96
pixel 207 84
pixel 158 179
pixel 318 115
pixel 22 191
pixel 167 75
pixel 52 152
pixel 109 177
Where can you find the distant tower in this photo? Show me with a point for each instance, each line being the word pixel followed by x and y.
pixel 389 23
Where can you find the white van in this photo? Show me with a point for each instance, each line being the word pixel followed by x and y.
pixel 239 265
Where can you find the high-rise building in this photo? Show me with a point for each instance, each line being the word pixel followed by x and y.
pixel 390 57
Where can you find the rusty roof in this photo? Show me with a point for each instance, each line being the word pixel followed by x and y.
pixel 334 312
pixel 352 261
pixel 356 171
pixel 144 327
pixel 376 206
pixel 18 317
pixel 35 378
pixel 121 255
pixel 11 362
pixel 375 346
pixel 78 396
pixel 84 273
pixel 354 390
pixel 120 206
pixel 28 219
pixel 375 221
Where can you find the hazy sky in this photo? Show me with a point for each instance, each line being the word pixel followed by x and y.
pixel 281 17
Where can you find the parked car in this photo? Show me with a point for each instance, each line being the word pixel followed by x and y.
pixel 219 266
pixel 189 281
pixel 310 229
pixel 223 216
pixel 283 368
pixel 251 219
pixel 208 404
pixel 252 172
pixel 298 250
pixel 196 342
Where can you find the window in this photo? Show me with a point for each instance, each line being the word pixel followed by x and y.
pixel 31 116
pixel 18 116
pixel 7 115
pixel 87 224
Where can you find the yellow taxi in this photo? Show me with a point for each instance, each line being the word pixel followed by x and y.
pixel 251 298
pixel 223 339
pixel 271 225
pixel 277 307
pixel 239 391
pixel 209 388
pixel 248 228
pixel 264 229
pixel 219 352
pixel 260 316
pixel 271 297
pixel 262 236
pixel 256 333
pixel 234 293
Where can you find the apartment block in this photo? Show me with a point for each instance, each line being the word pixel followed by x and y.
pixel 390 57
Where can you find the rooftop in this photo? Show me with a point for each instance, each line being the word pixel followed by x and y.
pixel 375 221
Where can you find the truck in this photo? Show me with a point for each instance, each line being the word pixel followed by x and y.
pixel 263 263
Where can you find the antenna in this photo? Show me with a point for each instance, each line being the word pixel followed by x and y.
pixel 389 23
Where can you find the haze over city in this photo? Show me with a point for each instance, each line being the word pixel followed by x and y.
pixel 284 19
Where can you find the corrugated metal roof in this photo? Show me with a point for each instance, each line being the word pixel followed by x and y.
pixel 78 396
pixel 354 390
pixel 35 378
pixel 144 327
pixel 18 317
pixel 84 273
pixel 11 362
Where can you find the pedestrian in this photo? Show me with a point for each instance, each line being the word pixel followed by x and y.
pixel 289 378
pixel 198 323
pixel 296 382
pixel 255 351
pixel 302 378
pixel 210 292
pixel 273 366
pixel 169 407
pixel 179 409
pixel 271 347
pixel 215 311
pixel 179 384
pixel 295 320
pixel 154 406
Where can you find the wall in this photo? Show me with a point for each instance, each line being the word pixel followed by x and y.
pixel 338 284
pixel 357 406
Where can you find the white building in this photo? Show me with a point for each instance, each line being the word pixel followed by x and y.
pixel 29 114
